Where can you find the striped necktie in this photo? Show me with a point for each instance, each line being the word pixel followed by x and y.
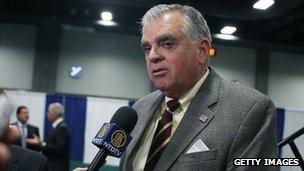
pixel 162 135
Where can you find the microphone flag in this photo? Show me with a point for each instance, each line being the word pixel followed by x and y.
pixel 112 138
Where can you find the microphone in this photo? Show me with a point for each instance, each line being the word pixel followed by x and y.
pixel 113 138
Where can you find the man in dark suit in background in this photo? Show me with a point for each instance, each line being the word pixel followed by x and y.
pixel 56 146
pixel 28 132
pixel 196 120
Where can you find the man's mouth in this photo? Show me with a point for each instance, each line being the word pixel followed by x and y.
pixel 159 72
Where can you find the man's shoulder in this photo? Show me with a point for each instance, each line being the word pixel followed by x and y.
pixel 62 124
pixel 28 125
pixel 238 90
pixel 27 159
pixel 32 126
pixel 241 97
pixel 14 123
pixel 148 99
pixel 230 88
pixel 19 152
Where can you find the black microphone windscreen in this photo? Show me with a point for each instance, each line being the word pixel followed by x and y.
pixel 125 117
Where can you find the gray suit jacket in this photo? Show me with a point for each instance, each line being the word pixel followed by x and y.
pixel 26 160
pixel 240 124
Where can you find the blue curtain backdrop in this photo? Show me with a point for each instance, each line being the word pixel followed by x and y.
pixel 75 116
pixel 75 111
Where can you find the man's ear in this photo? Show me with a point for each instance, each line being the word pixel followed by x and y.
pixel 204 47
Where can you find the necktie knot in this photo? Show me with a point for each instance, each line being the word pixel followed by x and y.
pixel 173 104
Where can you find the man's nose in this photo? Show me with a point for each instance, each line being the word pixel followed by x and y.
pixel 155 55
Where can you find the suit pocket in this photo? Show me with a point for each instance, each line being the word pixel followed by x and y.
pixel 199 156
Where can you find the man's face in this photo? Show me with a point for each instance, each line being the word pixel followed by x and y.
pixel 174 64
pixel 50 114
pixel 23 116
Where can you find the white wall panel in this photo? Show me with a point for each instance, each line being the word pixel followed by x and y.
pixel 35 102
pixel 99 111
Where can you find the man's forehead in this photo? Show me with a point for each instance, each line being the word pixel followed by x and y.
pixel 169 23
pixel 172 16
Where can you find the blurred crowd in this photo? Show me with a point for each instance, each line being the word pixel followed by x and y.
pixel 21 147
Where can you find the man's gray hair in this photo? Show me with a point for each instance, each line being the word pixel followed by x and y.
pixel 195 26
pixel 57 108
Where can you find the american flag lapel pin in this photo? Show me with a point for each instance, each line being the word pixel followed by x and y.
pixel 203 118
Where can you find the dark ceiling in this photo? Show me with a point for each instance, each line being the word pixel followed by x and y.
pixel 282 24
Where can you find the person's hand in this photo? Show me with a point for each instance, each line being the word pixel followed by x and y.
pixel 81 169
pixel 34 141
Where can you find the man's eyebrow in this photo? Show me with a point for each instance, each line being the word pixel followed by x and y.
pixel 144 43
pixel 160 39
pixel 166 37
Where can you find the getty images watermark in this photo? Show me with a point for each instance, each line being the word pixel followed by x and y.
pixel 266 162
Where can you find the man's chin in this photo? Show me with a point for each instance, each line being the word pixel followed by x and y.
pixel 165 90
pixel 162 87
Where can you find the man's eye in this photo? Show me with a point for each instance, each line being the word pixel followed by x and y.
pixel 167 44
pixel 146 49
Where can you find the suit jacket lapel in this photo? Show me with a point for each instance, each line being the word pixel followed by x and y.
pixel 144 118
pixel 190 126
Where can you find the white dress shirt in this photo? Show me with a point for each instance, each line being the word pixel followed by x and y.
pixel 23 133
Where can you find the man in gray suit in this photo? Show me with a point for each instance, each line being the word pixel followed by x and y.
pixel 213 120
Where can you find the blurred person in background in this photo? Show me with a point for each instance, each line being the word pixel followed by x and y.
pixel 12 157
pixel 56 146
pixel 29 134
pixel 6 108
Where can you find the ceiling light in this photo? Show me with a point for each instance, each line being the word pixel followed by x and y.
pixel 226 36
pixel 263 4
pixel 106 23
pixel 106 16
pixel 228 30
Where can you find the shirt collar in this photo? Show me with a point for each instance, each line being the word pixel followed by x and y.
pixel 184 99
pixel 55 123
pixel 21 124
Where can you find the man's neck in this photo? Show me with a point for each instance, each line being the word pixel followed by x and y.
pixel 21 123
